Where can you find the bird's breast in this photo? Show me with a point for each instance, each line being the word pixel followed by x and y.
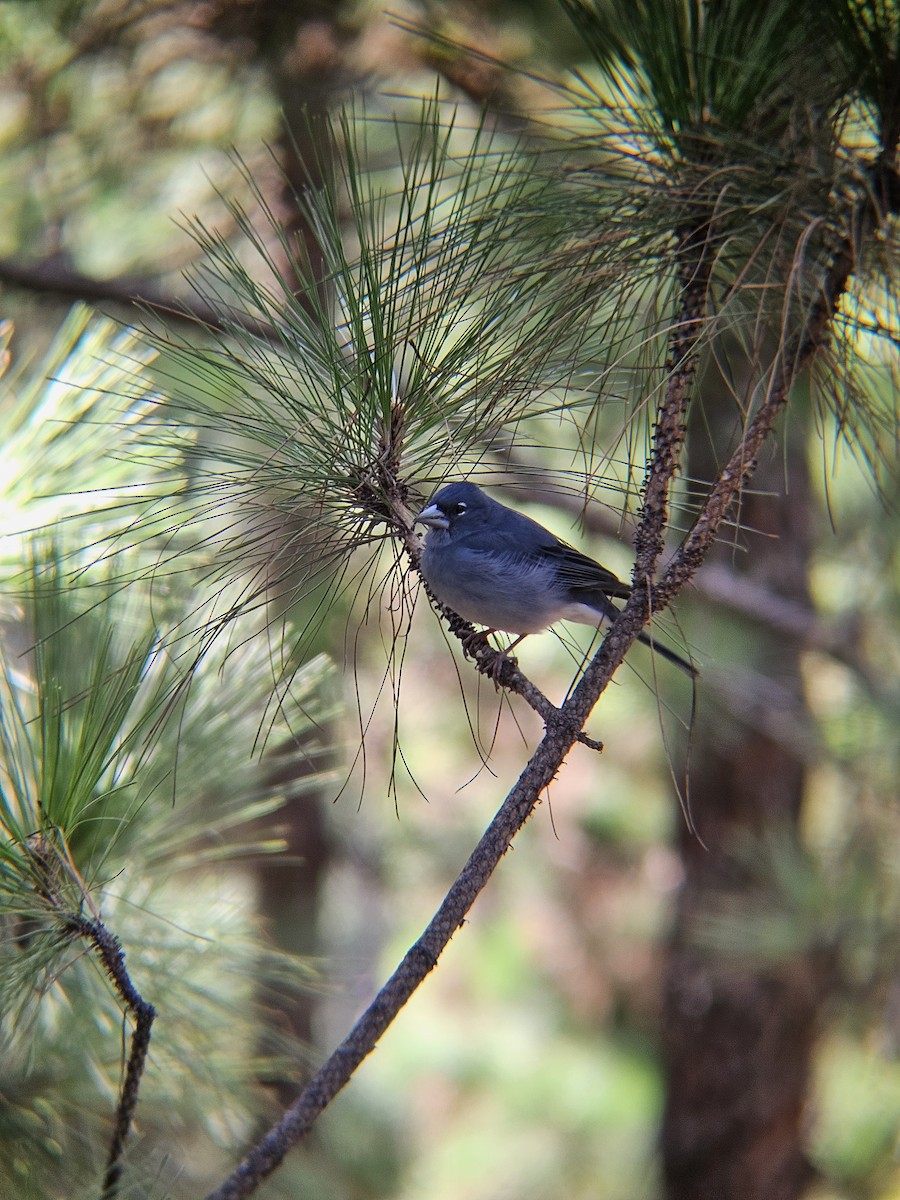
pixel 501 591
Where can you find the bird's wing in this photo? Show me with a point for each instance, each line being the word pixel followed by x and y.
pixel 581 573
pixel 516 538
pixel 520 539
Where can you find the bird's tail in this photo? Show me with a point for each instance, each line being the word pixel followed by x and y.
pixel 603 604
pixel 672 655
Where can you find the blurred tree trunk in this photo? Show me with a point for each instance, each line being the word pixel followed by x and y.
pixel 739 1035
pixel 289 891
pixel 300 46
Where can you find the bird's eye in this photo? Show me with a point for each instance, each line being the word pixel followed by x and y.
pixel 459 509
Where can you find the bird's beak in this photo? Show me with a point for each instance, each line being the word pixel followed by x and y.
pixel 433 518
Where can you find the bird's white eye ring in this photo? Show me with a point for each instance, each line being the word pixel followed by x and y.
pixel 459 509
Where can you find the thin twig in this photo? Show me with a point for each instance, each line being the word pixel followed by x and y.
pixel 52 866
pixel 503 670
pixel 112 956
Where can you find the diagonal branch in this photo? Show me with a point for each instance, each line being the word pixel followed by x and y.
pixel 561 734
pixel 417 963
pixel 694 264
pixel 793 359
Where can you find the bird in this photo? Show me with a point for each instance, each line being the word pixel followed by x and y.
pixel 496 567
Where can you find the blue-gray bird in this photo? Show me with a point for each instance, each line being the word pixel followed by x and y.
pixel 496 567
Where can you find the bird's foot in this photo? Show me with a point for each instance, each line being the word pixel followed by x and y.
pixel 489 660
pixel 475 641
pixel 495 670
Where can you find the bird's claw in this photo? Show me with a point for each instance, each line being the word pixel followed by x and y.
pixel 477 639
pixel 475 643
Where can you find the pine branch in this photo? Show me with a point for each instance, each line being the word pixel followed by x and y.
pixel 561 734
pixel 112 956
pixel 694 264
pixel 642 604
pixel 562 731
pixel 51 871
pixel 791 362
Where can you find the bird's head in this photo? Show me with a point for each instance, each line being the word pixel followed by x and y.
pixel 453 505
